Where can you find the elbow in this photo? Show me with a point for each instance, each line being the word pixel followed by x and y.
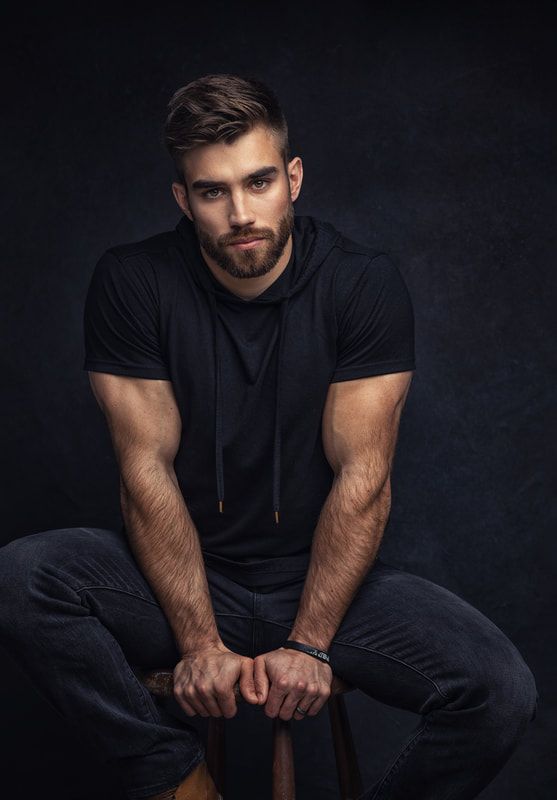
pixel 145 479
pixel 365 494
pixel 379 498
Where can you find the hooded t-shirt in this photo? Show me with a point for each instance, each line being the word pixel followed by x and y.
pixel 250 376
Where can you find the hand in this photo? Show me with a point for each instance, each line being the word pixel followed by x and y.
pixel 204 681
pixel 296 678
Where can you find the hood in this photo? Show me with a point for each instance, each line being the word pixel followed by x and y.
pixel 312 241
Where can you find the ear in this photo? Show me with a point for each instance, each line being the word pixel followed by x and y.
pixel 179 192
pixel 295 173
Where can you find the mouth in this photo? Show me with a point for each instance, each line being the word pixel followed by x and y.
pixel 246 243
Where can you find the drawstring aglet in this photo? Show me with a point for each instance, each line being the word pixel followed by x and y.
pixel 276 517
pixel 220 506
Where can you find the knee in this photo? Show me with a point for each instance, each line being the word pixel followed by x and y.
pixel 15 567
pixel 509 695
pixel 16 563
pixel 519 693
pixel 23 563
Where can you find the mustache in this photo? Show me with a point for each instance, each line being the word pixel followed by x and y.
pixel 248 235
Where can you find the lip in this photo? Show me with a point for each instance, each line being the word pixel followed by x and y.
pixel 246 243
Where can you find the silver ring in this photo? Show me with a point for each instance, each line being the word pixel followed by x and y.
pixel 301 710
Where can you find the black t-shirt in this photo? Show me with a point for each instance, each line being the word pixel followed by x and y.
pixel 251 449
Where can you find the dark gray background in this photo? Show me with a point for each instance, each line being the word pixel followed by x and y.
pixel 425 131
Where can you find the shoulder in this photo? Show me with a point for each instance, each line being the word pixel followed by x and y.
pixel 360 267
pixel 157 245
pixel 151 260
pixel 357 251
pixel 351 257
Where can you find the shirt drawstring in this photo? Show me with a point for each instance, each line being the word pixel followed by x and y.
pixel 218 411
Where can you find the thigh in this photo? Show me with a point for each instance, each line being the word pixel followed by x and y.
pixel 97 570
pixel 404 640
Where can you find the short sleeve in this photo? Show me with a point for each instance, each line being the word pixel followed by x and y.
pixel 375 322
pixel 121 319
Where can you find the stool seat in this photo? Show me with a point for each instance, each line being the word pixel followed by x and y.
pixel 160 682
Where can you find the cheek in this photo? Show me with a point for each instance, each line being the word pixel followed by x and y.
pixel 274 206
pixel 211 220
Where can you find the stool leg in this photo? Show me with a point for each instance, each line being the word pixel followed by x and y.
pixel 349 778
pixel 215 756
pixel 284 787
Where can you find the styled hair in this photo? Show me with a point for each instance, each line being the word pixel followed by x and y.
pixel 218 108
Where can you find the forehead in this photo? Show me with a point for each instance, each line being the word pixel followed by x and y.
pixel 229 162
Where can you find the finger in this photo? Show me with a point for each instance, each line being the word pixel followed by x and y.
pixel 181 699
pixel 189 709
pixel 226 698
pixel 185 703
pixel 247 683
pixel 294 698
pixel 208 700
pixel 261 679
pixel 277 693
pixel 192 697
pixel 312 704
pixel 308 706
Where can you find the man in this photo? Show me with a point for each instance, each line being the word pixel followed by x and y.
pixel 252 367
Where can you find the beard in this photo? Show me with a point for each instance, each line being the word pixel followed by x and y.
pixel 249 263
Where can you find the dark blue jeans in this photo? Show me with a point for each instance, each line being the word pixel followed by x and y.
pixel 77 614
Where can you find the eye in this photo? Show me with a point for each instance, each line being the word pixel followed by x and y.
pixel 261 181
pixel 209 195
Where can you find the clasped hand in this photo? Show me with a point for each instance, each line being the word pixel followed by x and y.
pixel 280 679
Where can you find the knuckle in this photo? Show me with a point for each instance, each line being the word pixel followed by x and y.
pixel 301 685
pixel 283 682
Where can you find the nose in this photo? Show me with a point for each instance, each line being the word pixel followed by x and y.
pixel 240 216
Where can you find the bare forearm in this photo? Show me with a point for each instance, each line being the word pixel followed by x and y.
pixel 344 548
pixel 165 543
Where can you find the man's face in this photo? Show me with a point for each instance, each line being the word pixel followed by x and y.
pixel 238 191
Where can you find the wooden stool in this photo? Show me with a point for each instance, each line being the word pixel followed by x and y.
pixel 161 682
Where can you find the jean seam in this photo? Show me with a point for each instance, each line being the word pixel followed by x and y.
pixel 126 666
pixel 254 616
pixel 378 652
pixel 151 602
pixel 141 692
pixel 399 760
pixel 131 674
pixel 121 591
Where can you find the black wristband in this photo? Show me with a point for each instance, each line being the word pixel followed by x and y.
pixel 306 648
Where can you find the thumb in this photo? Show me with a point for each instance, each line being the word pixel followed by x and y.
pixel 261 679
pixel 247 685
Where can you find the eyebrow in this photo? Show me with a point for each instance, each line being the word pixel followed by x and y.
pixel 259 173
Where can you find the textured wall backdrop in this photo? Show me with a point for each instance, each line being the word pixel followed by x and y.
pixel 424 131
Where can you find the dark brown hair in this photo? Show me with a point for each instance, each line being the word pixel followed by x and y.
pixel 220 107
